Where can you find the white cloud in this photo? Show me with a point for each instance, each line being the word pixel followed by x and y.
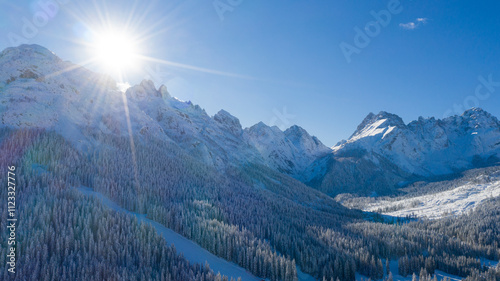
pixel 413 24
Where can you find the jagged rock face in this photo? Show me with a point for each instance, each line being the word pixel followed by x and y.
pixel 424 148
pixel 229 122
pixel 301 139
pixel 428 147
pixel 145 90
pixel 289 152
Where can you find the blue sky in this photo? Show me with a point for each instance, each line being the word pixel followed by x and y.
pixel 285 57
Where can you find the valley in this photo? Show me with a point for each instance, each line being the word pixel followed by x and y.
pixel 256 203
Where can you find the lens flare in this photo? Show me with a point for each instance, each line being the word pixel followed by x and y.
pixel 115 51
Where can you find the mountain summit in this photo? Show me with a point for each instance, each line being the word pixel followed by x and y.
pixel 289 152
pixel 399 152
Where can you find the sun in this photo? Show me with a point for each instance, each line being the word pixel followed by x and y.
pixel 115 51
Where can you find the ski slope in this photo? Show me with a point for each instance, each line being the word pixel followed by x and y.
pixel 193 252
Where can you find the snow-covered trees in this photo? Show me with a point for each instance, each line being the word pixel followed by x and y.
pixel 257 218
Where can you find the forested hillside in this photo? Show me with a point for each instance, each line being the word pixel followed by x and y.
pixel 63 235
pixel 262 220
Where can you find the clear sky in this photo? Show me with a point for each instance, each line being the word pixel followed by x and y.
pixel 289 62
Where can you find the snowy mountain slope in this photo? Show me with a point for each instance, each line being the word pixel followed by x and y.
pixel 456 201
pixel 221 139
pixel 429 146
pixel 289 152
pixel 435 199
pixel 384 152
pixel 217 140
pixel 38 89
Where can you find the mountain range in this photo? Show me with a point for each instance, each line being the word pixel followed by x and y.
pixel 110 178
pixel 41 90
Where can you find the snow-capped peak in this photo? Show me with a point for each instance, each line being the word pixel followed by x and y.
pixel 27 62
pixel 476 111
pixel 143 90
pixel 479 118
pixel 378 126
pixel 290 152
pixel 304 141
pixel 164 92
pixel 35 52
pixel 229 122
pixel 382 118
pixel 429 146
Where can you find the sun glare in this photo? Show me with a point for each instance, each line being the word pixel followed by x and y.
pixel 115 51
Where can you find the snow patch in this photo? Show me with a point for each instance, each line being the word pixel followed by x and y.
pixel 456 201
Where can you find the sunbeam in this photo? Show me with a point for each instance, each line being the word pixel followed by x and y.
pixel 196 68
